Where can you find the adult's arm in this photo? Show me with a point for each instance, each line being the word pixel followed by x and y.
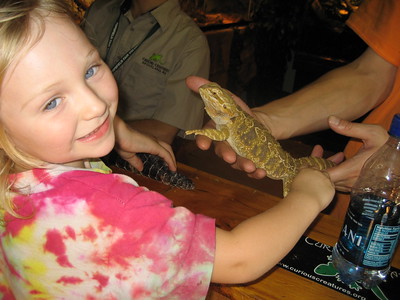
pixel 347 92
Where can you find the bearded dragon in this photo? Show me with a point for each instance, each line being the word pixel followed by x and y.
pixel 250 139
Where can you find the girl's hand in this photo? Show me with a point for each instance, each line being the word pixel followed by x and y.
pixel 312 184
pixel 129 142
pixel 373 137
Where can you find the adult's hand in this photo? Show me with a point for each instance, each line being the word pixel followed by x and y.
pixel 373 137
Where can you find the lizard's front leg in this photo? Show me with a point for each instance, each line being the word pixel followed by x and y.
pixel 214 134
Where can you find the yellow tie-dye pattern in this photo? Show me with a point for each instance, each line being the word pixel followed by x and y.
pixel 31 268
pixel 35 267
pixel 99 166
pixel 25 235
pixel 34 271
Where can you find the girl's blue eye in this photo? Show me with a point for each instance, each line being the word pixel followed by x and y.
pixel 52 104
pixel 91 72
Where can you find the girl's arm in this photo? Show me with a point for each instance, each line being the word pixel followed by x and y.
pixel 259 243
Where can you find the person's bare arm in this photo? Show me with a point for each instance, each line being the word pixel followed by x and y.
pixel 160 130
pixel 259 243
pixel 347 92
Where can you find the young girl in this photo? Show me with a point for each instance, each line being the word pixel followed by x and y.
pixel 72 230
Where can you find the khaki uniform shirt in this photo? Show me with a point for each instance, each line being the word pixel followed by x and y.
pixel 152 81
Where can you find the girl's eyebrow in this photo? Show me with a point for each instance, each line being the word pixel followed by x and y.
pixel 36 95
pixel 92 52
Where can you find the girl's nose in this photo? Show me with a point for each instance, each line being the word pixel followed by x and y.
pixel 93 105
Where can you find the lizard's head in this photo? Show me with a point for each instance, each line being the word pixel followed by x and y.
pixel 218 103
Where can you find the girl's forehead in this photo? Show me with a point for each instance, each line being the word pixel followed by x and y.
pixel 50 37
pixel 60 52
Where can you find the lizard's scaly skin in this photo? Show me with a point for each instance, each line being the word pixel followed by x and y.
pixel 249 138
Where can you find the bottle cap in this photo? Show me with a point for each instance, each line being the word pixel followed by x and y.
pixel 395 127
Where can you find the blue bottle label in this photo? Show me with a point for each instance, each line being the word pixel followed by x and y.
pixel 381 246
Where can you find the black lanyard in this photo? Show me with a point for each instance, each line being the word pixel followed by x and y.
pixel 128 54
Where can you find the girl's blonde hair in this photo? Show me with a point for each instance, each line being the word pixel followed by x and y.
pixel 16 20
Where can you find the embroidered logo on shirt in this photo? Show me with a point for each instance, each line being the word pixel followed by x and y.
pixel 156 63
pixel 157 58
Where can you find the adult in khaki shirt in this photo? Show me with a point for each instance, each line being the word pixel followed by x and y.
pixel 154 98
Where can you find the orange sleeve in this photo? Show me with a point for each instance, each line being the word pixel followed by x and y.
pixel 377 22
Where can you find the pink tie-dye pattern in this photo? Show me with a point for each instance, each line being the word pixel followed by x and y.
pixel 102 237
pixel 102 280
pixel 69 280
pixel 89 233
pixel 55 244
pixel 71 232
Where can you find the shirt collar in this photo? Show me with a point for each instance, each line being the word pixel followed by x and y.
pixel 164 12
pixel 161 14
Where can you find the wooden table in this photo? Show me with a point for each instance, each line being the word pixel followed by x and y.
pixel 230 203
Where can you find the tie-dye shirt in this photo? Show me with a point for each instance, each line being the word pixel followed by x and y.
pixel 90 235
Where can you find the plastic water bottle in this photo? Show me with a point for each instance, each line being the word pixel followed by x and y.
pixel 371 227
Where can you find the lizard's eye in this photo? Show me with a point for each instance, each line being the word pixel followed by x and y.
pixel 224 106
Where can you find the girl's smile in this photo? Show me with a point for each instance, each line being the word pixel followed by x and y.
pixel 98 132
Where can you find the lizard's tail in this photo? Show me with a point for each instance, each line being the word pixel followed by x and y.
pixel 309 161
pixel 314 162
